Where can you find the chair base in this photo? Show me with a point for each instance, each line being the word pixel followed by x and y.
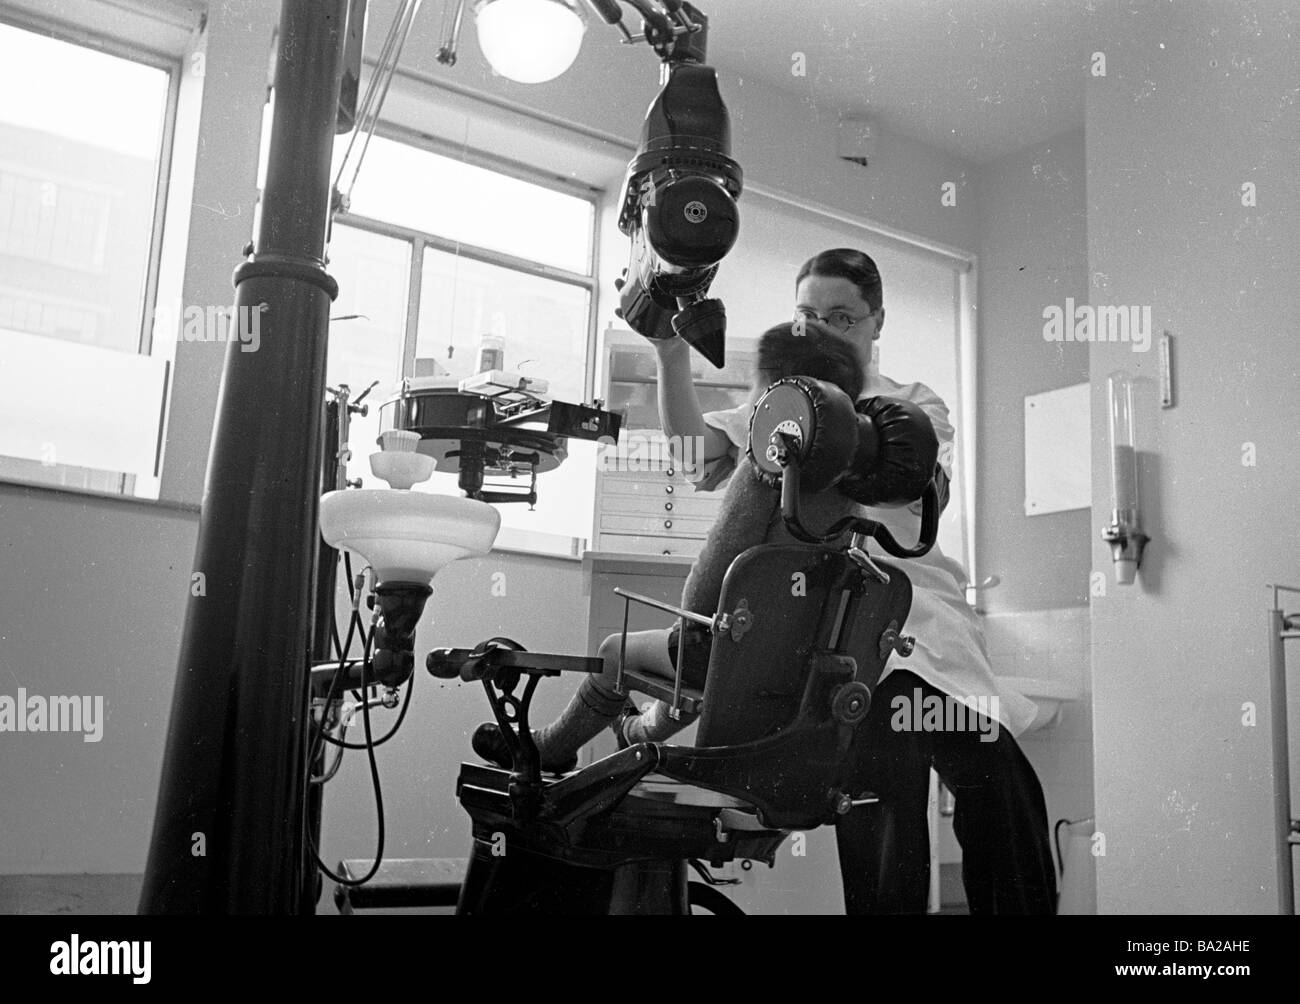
pixel 629 860
pixel 524 882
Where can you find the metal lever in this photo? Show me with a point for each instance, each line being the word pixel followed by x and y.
pixel 857 552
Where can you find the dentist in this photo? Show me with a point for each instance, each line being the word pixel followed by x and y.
pixel 1001 817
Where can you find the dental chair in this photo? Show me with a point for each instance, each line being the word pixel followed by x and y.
pixel 790 677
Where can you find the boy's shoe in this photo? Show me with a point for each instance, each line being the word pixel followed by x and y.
pixel 490 744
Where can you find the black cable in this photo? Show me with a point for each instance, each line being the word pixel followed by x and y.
pixel 379 809
pixel 1056 839
pixel 334 637
pixel 367 639
pixel 329 699
pixel 406 703
pixel 366 684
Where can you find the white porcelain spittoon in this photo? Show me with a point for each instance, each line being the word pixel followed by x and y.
pixel 406 536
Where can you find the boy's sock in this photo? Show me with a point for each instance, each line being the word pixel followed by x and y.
pixel 654 724
pixel 590 710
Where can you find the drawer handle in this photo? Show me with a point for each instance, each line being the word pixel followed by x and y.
pixel 671 472
pixel 668 506
pixel 668 524
pixel 669 489
pixel 666 551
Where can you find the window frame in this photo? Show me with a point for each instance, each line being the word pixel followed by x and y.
pixel 420 239
pixel 174 66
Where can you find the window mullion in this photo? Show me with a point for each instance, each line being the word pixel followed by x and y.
pixel 414 284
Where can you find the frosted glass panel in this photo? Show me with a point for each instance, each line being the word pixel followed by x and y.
pixel 79 405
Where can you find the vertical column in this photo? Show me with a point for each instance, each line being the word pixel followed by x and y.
pixel 228 834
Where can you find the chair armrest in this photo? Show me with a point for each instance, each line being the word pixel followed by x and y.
pixel 688 700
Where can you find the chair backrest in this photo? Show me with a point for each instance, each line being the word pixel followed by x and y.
pixel 788 602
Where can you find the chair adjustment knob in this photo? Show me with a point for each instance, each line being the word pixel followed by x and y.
pixel 850 703
pixel 892 641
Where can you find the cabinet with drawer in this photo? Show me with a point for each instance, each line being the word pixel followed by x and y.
pixel 644 504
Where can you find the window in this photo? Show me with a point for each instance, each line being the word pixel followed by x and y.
pixel 82 149
pixel 435 253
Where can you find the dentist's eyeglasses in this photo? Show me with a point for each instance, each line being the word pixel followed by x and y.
pixel 836 319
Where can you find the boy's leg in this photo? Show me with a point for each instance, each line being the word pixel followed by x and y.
pixel 654 723
pixel 597 701
pixel 1000 822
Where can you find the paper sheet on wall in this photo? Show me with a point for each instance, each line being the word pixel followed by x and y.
pixel 1058 450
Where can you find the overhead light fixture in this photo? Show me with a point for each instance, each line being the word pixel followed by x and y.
pixel 529 41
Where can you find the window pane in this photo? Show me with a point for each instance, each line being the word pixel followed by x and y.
pixel 544 324
pixel 78 184
pixel 424 191
pixel 373 273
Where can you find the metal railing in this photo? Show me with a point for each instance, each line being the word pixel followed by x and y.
pixel 1282 627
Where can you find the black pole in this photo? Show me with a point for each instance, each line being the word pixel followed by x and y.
pixel 228 834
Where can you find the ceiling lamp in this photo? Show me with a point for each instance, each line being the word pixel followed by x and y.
pixel 529 41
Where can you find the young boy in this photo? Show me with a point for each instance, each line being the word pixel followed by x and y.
pixel 749 515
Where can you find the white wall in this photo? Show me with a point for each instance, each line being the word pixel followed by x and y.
pixel 1032 254
pixel 1197 101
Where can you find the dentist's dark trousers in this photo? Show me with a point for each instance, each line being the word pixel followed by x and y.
pixel 1000 819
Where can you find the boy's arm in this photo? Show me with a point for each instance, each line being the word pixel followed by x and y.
pixel 681 415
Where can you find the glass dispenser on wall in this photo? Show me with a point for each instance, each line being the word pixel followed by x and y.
pixel 1124 534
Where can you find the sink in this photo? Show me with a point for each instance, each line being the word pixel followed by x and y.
pixel 407 536
pixel 1048 696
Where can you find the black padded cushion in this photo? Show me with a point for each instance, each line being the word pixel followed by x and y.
pixel 821 418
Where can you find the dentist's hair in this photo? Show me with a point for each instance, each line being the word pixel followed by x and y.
pixel 846 263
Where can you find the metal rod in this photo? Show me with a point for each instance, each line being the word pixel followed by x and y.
pixel 1281 765
pixel 668 607
pixel 234 773
pixel 675 709
pixel 622 648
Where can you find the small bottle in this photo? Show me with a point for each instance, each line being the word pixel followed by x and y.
pixel 491 353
